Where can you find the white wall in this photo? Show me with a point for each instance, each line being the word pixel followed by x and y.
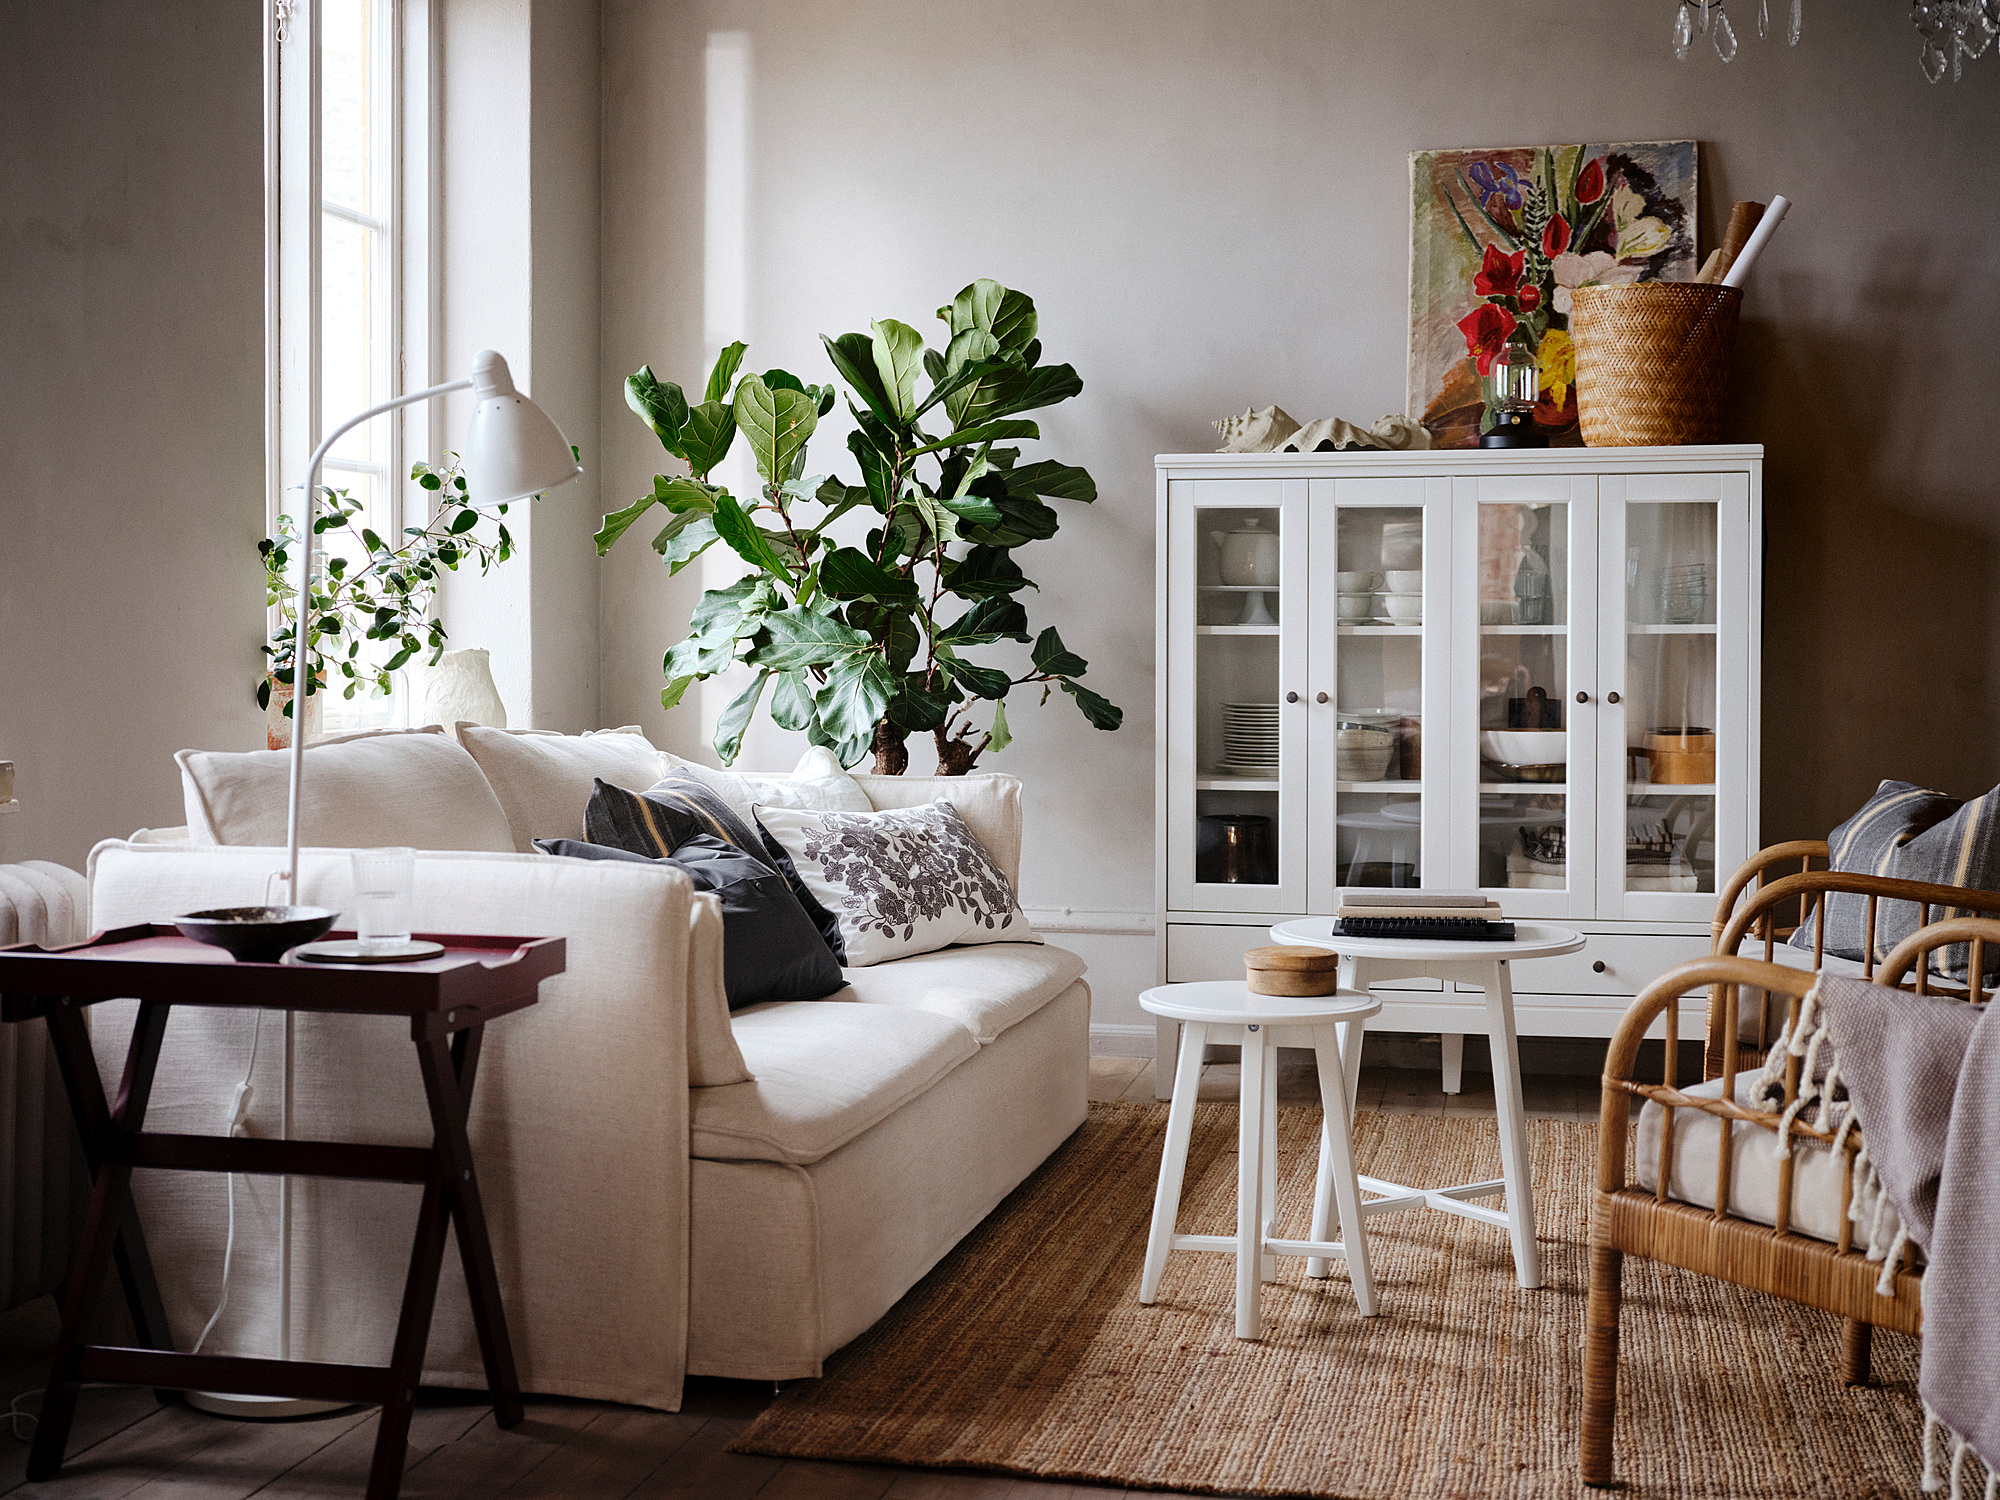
pixel 131 407
pixel 1209 203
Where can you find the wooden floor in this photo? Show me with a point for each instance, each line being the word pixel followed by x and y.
pixel 125 1444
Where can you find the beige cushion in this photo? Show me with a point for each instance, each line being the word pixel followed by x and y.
pixel 1753 1171
pixel 818 783
pixel 543 779
pixel 823 1073
pixel 1785 955
pixel 417 789
pixel 714 1059
pixel 990 805
pixel 985 989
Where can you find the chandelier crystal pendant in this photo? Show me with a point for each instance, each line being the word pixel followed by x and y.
pixel 1952 31
pixel 1711 18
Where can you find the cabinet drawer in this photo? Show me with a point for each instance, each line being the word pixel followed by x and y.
pixel 1199 950
pixel 1631 962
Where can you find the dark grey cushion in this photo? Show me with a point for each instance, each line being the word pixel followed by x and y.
pixel 658 820
pixel 1908 832
pixel 769 948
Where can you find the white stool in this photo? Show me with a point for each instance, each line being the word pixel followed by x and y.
pixel 1224 1011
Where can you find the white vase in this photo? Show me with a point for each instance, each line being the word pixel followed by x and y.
pixel 1249 554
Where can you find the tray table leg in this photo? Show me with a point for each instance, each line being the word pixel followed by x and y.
pixel 112 1179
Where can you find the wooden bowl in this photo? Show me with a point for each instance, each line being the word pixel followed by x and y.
pixel 1291 971
pixel 256 934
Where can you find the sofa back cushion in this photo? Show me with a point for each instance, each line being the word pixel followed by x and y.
pixel 543 779
pixel 418 789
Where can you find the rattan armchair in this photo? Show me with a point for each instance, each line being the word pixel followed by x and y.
pixel 1625 1218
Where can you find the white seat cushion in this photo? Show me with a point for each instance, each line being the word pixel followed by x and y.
pixel 986 989
pixel 543 780
pixel 419 790
pixel 1785 956
pixel 1753 1172
pixel 824 1072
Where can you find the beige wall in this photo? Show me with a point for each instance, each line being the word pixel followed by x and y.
pixel 131 406
pixel 1209 202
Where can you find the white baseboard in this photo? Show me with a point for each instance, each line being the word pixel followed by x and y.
pixel 1102 922
pixel 1116 1028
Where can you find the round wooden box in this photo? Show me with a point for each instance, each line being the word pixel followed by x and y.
pixel 1291 971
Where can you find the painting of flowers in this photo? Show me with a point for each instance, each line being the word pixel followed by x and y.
pixel 1500 239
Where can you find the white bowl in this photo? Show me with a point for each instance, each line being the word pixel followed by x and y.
pixel 1407 609
pixel 1356 606
pixel 1527 747
pixel 1405 580
pixel 1357 583
pixel 1499 612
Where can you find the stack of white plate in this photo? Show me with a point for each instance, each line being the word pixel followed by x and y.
pixel 1249 740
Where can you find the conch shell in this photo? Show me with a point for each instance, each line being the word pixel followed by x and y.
pixel 1397 432
pixel 1255 431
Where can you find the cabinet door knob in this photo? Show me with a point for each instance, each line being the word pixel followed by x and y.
pixel 1598 967
pixel 1322 698
pixel 1610 697
pixel 1291 697
pixel 1583 697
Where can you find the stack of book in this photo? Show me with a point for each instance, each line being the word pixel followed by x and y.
pixel 1464 916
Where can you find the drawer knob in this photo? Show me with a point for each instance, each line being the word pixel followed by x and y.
pixel 1321 698
pixel 1610 697
pixel 1291 697
pixel 1598 967
pixel 1583 697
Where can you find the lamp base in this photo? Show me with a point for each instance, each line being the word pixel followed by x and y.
pixel 1514 430
pixel 261 1408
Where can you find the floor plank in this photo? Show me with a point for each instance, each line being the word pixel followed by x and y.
pixel 704 1469
pixel 340 1469
pixel 611 1456
pixel 1110 1076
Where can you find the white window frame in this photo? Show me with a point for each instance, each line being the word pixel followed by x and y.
pixel 408 35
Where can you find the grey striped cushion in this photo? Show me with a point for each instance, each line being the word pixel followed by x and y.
pixel 1907 832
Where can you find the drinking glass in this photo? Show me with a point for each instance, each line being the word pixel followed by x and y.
pixel 383 883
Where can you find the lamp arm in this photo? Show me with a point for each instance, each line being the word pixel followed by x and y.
pixel 301 669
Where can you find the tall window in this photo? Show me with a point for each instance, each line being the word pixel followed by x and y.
pixel 348 131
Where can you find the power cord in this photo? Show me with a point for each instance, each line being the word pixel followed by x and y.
pixel 15 1416
pixel 239 1108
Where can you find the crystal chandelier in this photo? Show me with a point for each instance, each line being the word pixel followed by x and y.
pixel 1712 20
pixel 1965 27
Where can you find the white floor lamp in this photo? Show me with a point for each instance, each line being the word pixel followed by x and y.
pixel 512 451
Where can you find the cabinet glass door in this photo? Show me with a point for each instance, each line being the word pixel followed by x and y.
pixel 1380 595
pixel 1675 657
pixel 1236 657
pixel 1527 561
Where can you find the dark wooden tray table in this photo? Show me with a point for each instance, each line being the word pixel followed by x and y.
pixel 447 1000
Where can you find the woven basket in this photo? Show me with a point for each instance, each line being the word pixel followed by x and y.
pixel 1652 361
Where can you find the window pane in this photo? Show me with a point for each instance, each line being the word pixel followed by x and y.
pixel 346 104
pixel 350 378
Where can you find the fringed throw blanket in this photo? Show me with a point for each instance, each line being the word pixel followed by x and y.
pixel 1920 1077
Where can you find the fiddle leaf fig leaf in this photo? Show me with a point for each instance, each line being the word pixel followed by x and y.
pixel 1053 480
pixel 988 621
pixel 806 638
pixel 974 307
pixel 615 525
pixel 985 682
pixel 1054 659
pixel 735 527
pixel 705 440
pixel 1022 520
pixel 985 432
pixel 985 571
pixel 897 350
pixel 876 473
pixel 661 404
pixel 726 365
pixel 846 573
pixel 792 700
pixel 1102 713
pixel 776 423
pixel 683 539
pixel 1000 737
pixel 853 355
pixel 855 695
pixel 736 718
pixel 916 708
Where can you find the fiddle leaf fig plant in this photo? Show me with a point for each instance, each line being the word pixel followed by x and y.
pixel 861 646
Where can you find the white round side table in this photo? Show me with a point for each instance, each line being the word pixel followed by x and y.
pixel 1224 1012
pixel 1367 961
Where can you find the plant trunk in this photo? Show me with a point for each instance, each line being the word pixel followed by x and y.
pixel 892 755
pixel 956 753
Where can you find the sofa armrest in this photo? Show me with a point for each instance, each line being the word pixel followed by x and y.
pixel 579 1124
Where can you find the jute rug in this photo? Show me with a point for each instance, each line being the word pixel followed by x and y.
pixel 1026 1351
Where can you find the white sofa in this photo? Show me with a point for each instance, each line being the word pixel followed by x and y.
pixel 671 1189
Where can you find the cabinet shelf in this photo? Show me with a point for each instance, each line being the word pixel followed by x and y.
pixel 1527 788
pixel 1663 789
pixel 1388 786
pixel 1381 629
pixel 1524 630
pixel 1670 629
pixel 1236 629
pixel 1239 588
pixel 1233 784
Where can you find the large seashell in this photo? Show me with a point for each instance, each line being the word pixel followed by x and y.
pixel 1255 431
pixel 1402 433
pixel 1397 433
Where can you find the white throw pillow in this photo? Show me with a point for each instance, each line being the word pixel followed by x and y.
pixel 419 789
pixel 819 783
pixel 543 779
pixel 905 881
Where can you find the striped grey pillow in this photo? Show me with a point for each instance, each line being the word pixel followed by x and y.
pixel 1907 832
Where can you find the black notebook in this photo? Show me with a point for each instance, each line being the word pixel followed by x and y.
pixel 1453 929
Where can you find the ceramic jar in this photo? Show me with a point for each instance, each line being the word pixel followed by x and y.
pixel 1249 555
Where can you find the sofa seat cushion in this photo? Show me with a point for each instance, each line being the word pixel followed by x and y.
pixel 986 989
pixel 823 1074
pixel 1753 1172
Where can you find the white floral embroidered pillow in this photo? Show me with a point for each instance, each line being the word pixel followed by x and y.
pixel 908 880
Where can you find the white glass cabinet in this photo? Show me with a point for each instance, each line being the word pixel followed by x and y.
pixel 1533 673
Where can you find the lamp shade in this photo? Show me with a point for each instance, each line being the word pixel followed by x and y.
pixel 514 450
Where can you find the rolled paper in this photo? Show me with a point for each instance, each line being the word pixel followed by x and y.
pixel 1743 220
pixel 1712 268
pixel 1759 238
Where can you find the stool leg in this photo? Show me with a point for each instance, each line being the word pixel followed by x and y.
pixel 1337 1163
pixel 1330 1061
pixel 1352 1035
pixel 1166 1041
pixel 1454 1061
pixel 1268 1183
pixel 1513 1125
pixel 1173 1159
pixel 1249 1186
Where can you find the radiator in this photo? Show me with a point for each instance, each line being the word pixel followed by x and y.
pixel 40 1187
